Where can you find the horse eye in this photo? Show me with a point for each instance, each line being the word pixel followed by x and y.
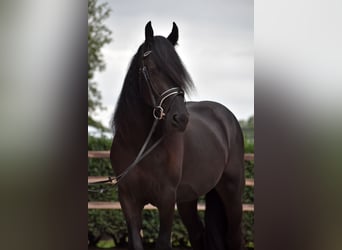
pixel 151 65
pixel 153 68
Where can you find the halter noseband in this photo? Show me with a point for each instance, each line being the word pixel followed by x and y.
pixel 158 110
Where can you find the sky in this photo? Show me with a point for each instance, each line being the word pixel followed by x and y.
pixel 215 44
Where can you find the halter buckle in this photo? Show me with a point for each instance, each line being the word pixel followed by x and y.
pixel 158 112
pixel 147 53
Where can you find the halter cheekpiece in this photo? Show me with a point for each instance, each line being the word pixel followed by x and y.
pixel 158 110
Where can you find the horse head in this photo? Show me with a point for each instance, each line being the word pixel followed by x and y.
pixel 164 79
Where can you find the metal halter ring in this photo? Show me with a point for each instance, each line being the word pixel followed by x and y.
pixel 158 112
pixel 147 53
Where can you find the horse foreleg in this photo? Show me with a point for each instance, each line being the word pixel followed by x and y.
pixel 133 216
pixel 166 213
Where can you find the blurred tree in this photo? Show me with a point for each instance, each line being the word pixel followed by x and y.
pixel 250 122
pixel 248 129
pixel 98 36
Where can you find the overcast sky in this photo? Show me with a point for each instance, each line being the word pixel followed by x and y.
pixel 215 45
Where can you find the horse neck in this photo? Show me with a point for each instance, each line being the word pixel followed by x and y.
pixel 136 127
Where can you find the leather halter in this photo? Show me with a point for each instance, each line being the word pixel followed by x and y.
pixel 158 110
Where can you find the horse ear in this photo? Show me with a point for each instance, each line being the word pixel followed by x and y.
pixel 148 33
pixel 173 37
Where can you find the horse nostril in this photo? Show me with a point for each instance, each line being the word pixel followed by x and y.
pixel 180 120
pixel 177 118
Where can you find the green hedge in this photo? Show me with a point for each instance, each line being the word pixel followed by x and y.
pixel 111 222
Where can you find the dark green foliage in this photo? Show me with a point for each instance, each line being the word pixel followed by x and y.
pixel 99 144
pixel 249 169
pixel 248 196
pixel 248 226
pixel 179 235
pixel 249 146
pixel 100 167
pixel 111 222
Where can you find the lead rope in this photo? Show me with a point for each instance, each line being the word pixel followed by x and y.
pixel 141 155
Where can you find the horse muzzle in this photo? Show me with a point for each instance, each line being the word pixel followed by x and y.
pixel 180 121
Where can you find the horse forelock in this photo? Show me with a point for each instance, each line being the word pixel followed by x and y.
pixel 167 60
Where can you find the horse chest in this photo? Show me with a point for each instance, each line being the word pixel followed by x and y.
pixel 150 190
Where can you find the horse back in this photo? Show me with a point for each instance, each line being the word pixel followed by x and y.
pixel 212 124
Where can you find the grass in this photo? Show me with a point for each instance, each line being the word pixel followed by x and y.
pixel 106 244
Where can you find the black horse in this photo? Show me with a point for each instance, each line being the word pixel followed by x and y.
pixel 192 149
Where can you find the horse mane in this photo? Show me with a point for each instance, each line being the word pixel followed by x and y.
pixel 168 62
